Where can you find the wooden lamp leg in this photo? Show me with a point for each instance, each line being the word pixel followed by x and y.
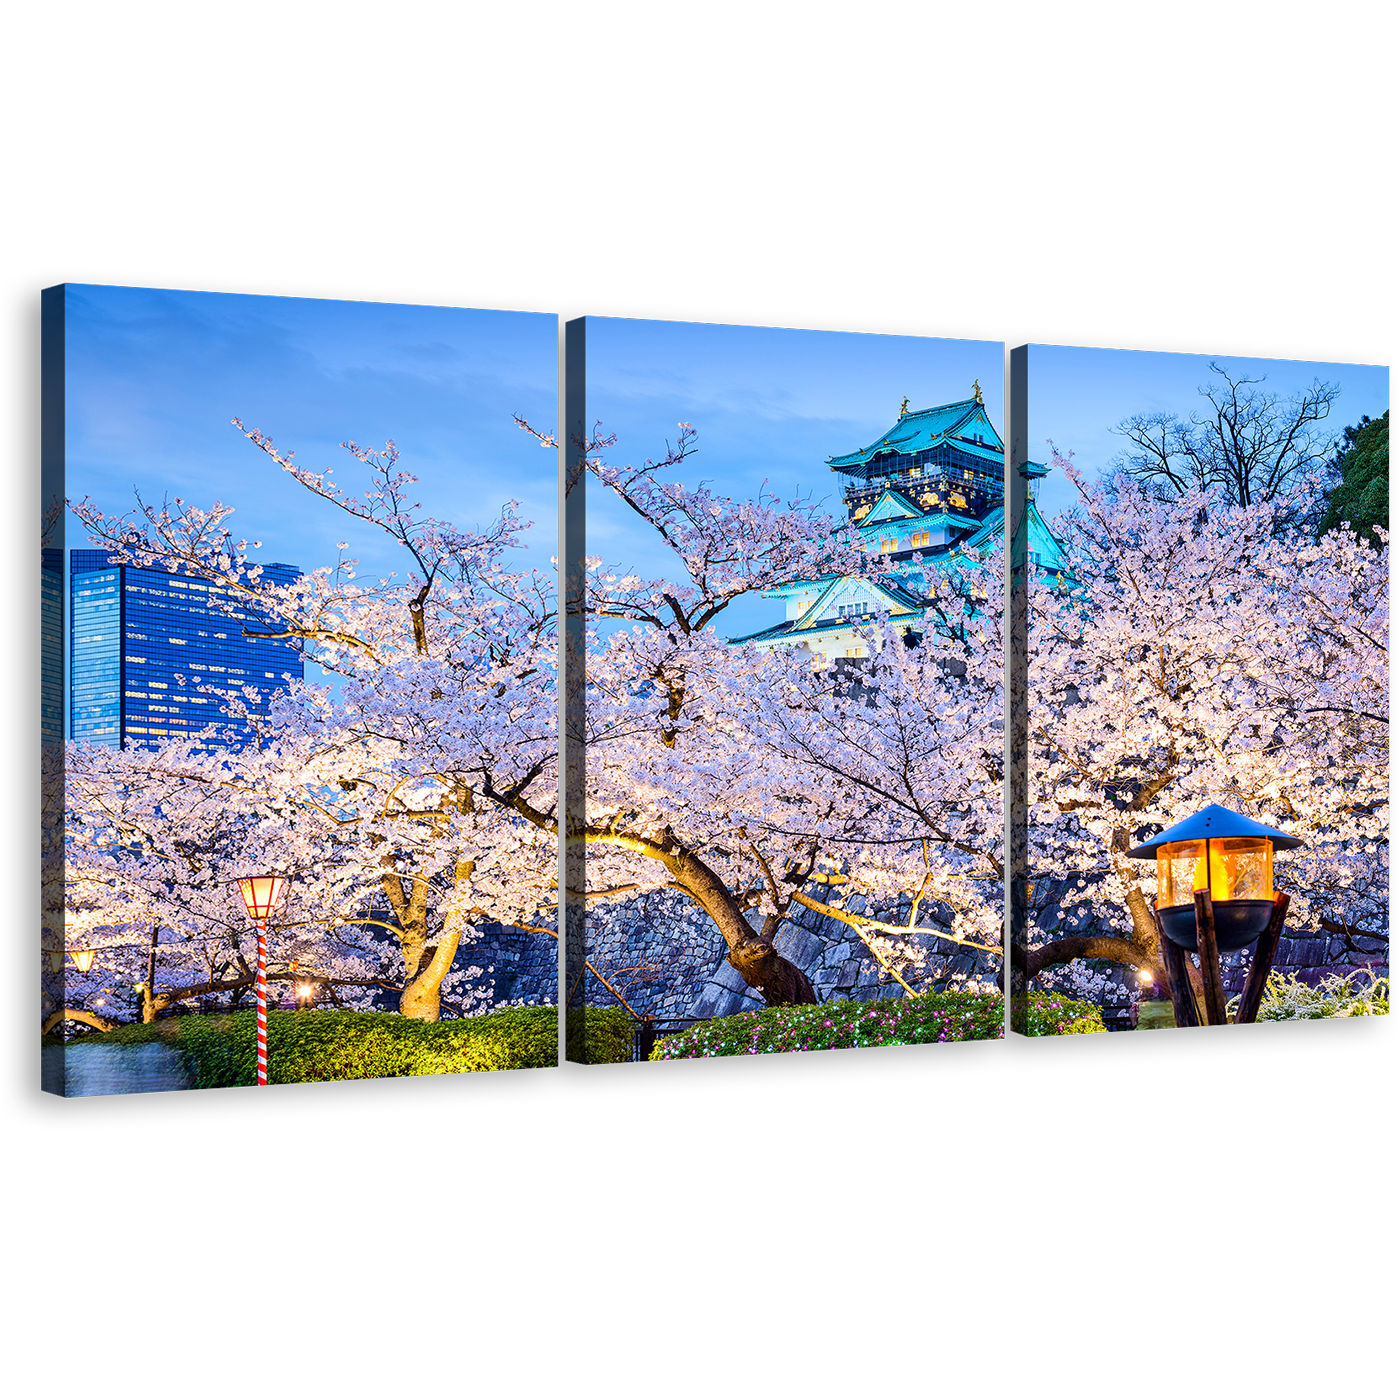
pixel 1184 1008
pixel 1263 964
pixel 1209 952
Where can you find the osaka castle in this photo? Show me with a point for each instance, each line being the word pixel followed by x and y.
pixel 932 486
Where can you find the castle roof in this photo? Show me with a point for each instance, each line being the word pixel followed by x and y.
pixel 963 425
pixel 900 602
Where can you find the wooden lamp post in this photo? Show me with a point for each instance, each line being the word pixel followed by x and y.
pixel 1215 894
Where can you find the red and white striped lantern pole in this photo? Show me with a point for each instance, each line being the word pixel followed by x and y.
pixel 260 893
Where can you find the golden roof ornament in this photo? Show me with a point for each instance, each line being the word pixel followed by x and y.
pixel 976 391
pixel 904 407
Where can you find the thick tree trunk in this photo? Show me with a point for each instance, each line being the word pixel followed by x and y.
pixel 425 966
pixel 751 954
pixel 780 982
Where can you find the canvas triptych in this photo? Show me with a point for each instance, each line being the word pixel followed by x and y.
pixel 411 673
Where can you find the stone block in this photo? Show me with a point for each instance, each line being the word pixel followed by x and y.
pixel 737 1003
pixel 708 1002
pixel 850 970
pixel 799 947
pixel 728 977
pixel 1356 959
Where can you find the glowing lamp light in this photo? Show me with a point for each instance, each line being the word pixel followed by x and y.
pixel 260 893
pixel 83 959
pixel 56 961
pixel 1230 855
pixel 1144 976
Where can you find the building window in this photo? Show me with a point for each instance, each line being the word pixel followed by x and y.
pixel 855 651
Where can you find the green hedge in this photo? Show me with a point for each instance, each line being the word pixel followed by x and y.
pixel 306 1046
pixel 841 1025
pixel 599 1035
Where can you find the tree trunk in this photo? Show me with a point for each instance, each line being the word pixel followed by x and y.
pixel 425 967
pixel 148 992
pixel 751 954
pixel 780 982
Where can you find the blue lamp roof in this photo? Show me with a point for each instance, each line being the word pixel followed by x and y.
pixel 1214 821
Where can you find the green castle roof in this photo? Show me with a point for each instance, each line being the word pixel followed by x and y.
pixel 959 424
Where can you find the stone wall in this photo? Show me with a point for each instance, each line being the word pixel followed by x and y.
pixel 657 950
pixel 516 966
pixel 667 959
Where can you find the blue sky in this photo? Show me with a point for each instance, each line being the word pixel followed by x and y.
pixel 767 404
pixel 1078 395
pixel 774 404
pixel 153 378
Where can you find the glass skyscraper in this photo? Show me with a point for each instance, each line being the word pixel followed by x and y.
pixel 134 632
pixel 51 648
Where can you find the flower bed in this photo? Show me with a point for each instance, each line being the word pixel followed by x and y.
pixel 1048 1013
pixel 841 1025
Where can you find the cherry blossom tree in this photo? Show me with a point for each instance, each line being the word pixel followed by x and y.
pixel 1203 652
pixel 744 778
pixel 1198 651
pixel 420 799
